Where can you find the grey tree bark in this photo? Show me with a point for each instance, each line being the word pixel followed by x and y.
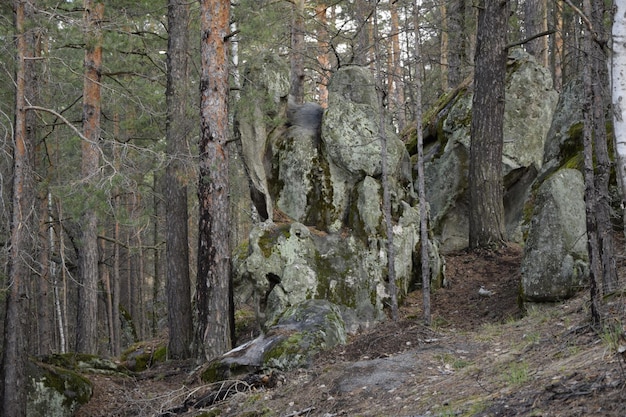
pixel 87 318
pixel 15 347
pixel 486 216
pixel 536 21
pixel 179 315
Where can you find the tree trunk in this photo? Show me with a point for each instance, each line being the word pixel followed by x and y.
pixel 323 49
pixel 486 213
pixel 444 47
pixel 116 287
pixel 618 83
pixel 15 347
pixel 42 285
pixel 382 135
pixel 557 47
pixel 361 51
pixel 87 320
pixel 456 46
pixel 590 192
pixel 214 300
pixel 179 315
pixel 45 343
pixel 421 187
pixel 536 21
pixel 396 88
pixel 297 54
pixel 600 80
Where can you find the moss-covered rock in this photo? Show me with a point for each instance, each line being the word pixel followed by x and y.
pixel 555 261
pixel 54 391
pixel 302 331
pixel 142 356
pixel 81 362
pixel 529 107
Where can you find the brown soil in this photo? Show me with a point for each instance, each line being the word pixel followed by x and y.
pixel 480 357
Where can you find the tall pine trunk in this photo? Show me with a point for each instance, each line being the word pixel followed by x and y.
pixel 323 51
pixel 421 186
pixel 15 348
pixel 486 214
pixel 535 22
pixel 179 316
pixel 87 320
pixel 214 300
pixel 296 92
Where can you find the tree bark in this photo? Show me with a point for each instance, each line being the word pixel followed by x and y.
pixel 590 192
pixel 421 187
pixel 444 49
pixel 557 47
pixel 382 135
pixel 458 42
pixel 486 216
pixel 536 21
pixel 618 83
pixel 214 301
pixel 297 54
pixel 323 48
pixel 15 348
pixel 362 47
pixel 87 320
pixel 396 87
pixel 600 79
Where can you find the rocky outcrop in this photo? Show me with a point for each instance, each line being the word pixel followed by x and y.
pixel 555 262
pixel 328 239
pixel 530 104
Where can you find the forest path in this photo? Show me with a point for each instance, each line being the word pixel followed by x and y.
pixel 480 357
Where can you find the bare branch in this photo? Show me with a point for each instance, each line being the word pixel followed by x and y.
pixel 60 116
pixel 533 37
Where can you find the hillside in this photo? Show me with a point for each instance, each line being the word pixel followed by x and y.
pixel 481 357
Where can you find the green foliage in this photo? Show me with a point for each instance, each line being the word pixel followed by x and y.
pixel 263 25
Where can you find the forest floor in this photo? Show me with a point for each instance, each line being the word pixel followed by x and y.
pixel 480 357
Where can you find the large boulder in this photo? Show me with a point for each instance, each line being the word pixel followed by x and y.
pixel 351 137
pixel 290 263
pixel 529 106
pixel 555 261
pixel 55 391
pixel 299 180
pixel 260 115
pixel 303 330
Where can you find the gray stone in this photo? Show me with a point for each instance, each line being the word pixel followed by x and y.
pixel 55 391
pixel 332 243
pixel 303 330
pixel 259 113
pixel 351 128
pixel 529 106
pixel 555 261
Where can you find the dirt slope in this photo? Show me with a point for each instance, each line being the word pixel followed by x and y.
pixel 480 358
